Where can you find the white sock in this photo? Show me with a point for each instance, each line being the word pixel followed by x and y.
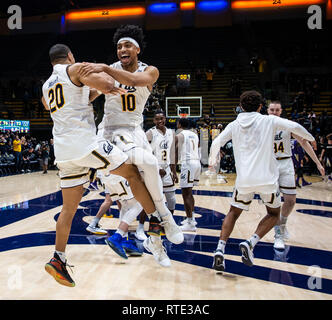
pixel 121 232
pixel 283 219
pixel 254 239
pixel 221 245
pixel 94 222
pixel 61 255
pixel 140 227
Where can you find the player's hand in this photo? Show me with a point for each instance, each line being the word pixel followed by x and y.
pixel 321 169
pixel 162 173
pixel 116 91
pixel 175 177
pixel 87 68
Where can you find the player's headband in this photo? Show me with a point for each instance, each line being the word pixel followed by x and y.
pixel 133 41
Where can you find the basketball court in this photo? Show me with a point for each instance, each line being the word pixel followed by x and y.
pixel 30 205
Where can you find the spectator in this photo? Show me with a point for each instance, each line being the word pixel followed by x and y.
pixel 209 78
pixel 52 156
pixel 17 150
pixel 45 151
pixel 212 111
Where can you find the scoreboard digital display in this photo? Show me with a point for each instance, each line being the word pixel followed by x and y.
pixel 20 126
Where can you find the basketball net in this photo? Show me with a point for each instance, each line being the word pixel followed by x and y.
pixel 183 115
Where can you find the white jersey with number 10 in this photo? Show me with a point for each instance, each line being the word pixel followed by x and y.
pixel 126 109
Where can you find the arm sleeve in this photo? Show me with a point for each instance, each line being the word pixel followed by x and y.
pixel 294 127
pixel 219 142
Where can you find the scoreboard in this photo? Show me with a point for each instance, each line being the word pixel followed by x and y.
pixel 19 126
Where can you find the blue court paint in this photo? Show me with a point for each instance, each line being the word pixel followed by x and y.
pixel 210 219
pixel 321 213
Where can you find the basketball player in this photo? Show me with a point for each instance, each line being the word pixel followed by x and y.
pixel 283 153
pixel 162 141
pixel 123 125
pixel 67 94
pixel 252 135
pixel 187 152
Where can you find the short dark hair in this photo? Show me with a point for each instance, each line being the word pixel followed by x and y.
pixel 159 111
pixel 275 102
pixel 250 100
pixel 131 31
pixel 184 123
pixel 59 52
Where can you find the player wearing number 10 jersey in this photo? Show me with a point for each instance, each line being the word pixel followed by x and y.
pixel 123 119
pixel 67 95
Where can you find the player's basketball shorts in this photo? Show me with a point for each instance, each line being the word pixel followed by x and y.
pixel 286 176
pixel 117 187
pixel 127 138
pixel 190 173
pixel 168 183
pixel 76 172
pixel 243 201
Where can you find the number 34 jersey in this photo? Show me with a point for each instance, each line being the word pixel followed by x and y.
pixel 282 144
pixel 74 129
pixel 126 109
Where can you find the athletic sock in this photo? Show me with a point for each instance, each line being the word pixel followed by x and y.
pixel 253 240
pixel 140 227
pixel 283 219
pixel 61 255
pixel 121 232
pixel 95 221
pixel 221 245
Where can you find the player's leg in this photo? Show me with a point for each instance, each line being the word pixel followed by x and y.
pixel 140 234
pixel 57 265
pixel 273 204
pixel 170 200
pixel 189 224
pixel 94 227
pixel 226 230
pixel 147 163
pixel 119 241
pixel 139 189
pixel 288 188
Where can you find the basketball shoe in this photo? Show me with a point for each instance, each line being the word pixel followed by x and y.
pixel 57 269
pixel 130 247
pixel 218 260
pixel 96 230
pixel 247 253
pixel 155 246
pixel 115 243
pixel 278 239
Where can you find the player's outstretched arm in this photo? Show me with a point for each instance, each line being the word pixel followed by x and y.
pixel 217 143
pixel 100 81
pixel 310 151
pixel 293 127
pixel 139 79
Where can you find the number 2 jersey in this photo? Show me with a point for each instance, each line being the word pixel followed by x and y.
pixel 126 109
pixel 74 129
